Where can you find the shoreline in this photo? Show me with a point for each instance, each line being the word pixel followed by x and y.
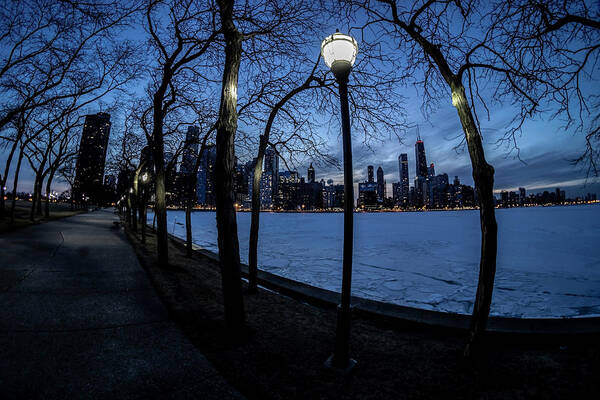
pixel 358 211
pixel 399 314
pixel 286 341
pixel 514 286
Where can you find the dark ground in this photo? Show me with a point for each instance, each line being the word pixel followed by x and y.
pixel 79 319
pixel 22 209
pixel 288 341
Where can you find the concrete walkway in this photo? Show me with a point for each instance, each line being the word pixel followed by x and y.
pixel 79 319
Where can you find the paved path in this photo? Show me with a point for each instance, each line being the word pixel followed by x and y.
pixel 79 319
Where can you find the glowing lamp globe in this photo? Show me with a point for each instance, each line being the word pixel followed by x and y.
pixel 339 53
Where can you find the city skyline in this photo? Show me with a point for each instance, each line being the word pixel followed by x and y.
pixel 390 166
pixel 539 168
pixel 545 151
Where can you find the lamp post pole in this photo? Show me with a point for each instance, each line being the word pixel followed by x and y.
pixel 143 206
pixel 339 52
pixel 341 358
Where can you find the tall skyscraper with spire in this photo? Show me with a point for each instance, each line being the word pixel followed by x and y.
pixel 421 161
pixel 421 171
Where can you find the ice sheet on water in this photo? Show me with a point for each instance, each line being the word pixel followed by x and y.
pixel 548 261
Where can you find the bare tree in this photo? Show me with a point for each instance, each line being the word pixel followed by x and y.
pixel 424 31
pixel 62 153
pixel 191 183
pixel 38 153
pixel 266 27
pixel 376 110
pixel 459 47
pixel 47 46
pixel 229 251
pixel 60 51
pixel 556 46
pixel 180 39
pixel 311 82
pixel 67 174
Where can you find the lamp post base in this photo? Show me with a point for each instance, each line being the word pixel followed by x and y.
pixel 340 360
pixel 351 363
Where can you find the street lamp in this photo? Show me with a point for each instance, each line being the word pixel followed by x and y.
pixel 339 53
pixel 142 207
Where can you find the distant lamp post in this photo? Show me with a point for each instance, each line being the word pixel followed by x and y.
pixel 339 53
pixel 142 199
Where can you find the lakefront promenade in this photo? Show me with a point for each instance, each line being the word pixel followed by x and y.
pixel 80 319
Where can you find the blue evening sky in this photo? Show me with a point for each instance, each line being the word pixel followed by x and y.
pixel 546 149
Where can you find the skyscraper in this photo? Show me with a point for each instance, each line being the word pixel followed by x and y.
pixel 421 172
pixel 421 161
pixel 205 184
pixel 431 170
pixel 380 185
pixel 370 174
pixel 190 150
pixel 404 185
pixel 170 172
pixel 89 170
pixel 271 167
pixel 271 163
pixel 311 174
pixel 522 196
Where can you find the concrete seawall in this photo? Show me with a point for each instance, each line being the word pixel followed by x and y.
pixel 402 315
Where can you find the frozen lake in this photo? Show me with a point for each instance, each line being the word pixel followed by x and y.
pixel 548 257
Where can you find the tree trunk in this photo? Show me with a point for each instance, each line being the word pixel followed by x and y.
pixel 188 228
pixel 229 252
pixel 160 211
pixel 143 214
pixel 189 203
pixel 36 193
pixel 15 183
pixel 129 208
pixel 483 176
pixel 255 218
pixel 39 200
pixel 4 177
pixel 160 204
pixel 2 205
pixel 134 202
pixel 140 207
pixel 48 188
